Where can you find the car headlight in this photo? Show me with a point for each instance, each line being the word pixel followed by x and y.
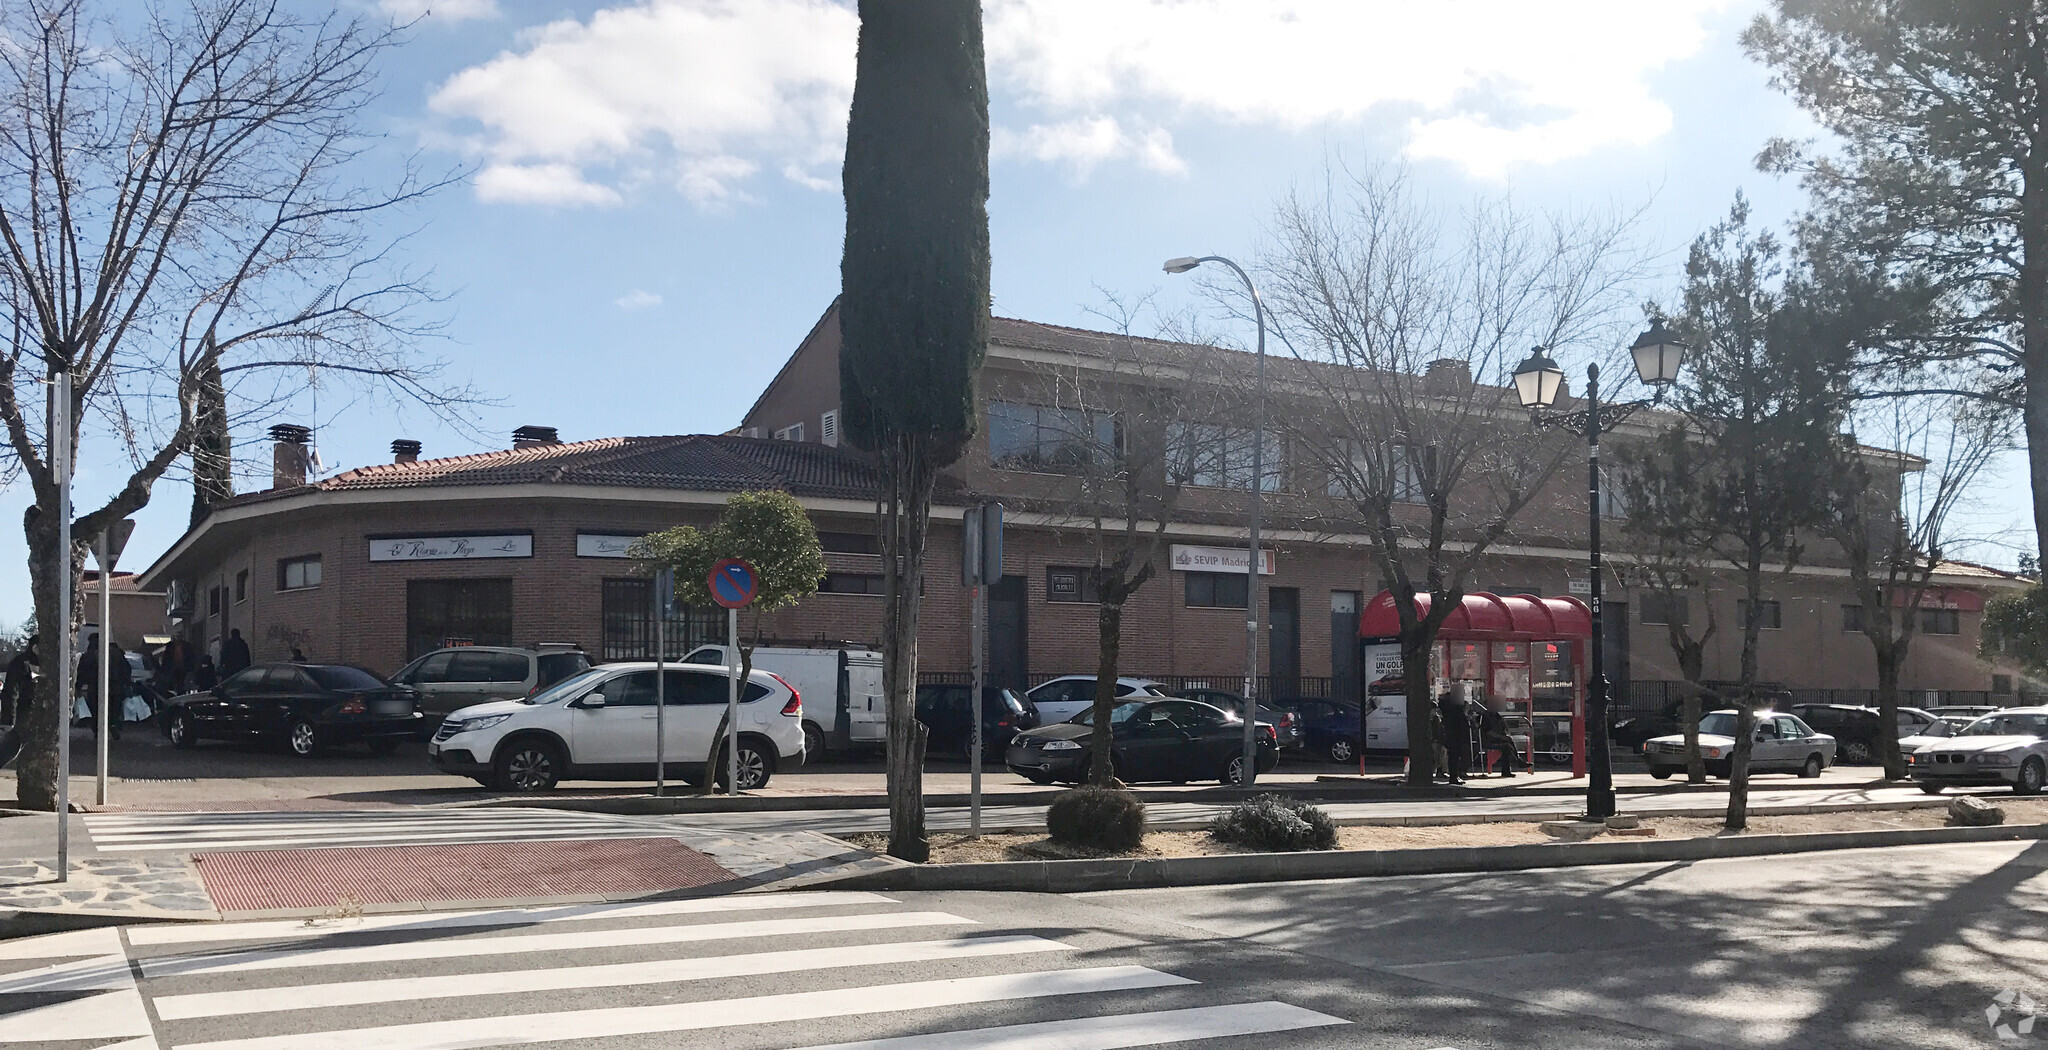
pixel 471 725
pixel 1062 745
pixel 1992 760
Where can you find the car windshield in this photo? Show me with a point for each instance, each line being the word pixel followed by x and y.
pixel 2008 725
pixel 340 678
pixel 565 688
pixel 1720 723
pixel 1118 714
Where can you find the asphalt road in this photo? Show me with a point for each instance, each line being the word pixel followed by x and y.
pixel 1899 948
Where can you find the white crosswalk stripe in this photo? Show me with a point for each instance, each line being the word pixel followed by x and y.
pixel 770 970
pixel 184 832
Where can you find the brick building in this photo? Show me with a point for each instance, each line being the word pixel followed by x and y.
pixel 526 544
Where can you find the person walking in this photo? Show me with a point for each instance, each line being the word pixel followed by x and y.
pixel 120 678
pixel 1457 733
pixel 298 655
pixel 175 671
pixel 204 677
pixel 234 653
pixel 20 681
pixel 88 682
pixel 1494 736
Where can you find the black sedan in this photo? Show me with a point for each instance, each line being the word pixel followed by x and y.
pixel 301 707
pixel 1167 739
pixel 944 711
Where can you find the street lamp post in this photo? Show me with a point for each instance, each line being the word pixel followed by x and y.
pixel 1251 569
pixel 1657 358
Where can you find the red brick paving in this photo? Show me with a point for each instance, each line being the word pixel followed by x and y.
pixel 253 880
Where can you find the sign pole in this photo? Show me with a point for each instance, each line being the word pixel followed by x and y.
pixel 60 461
pixel 664 586
pixel 978 621
pixel 106 665
pixel 732 702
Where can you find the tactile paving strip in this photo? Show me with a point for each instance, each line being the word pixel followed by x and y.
pixel 256 880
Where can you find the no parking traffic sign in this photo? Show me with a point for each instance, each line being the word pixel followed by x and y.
pixel 732 583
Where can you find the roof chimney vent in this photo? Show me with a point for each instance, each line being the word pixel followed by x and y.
pixel 289 455
pixel 405 450
pixel 529 436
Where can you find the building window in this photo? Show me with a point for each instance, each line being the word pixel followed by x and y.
pixel 1215 590
pixel 1767 614
pixel 1940 621
pixel 1221 457
pixel 2001 684
pixel 1405 463
pixel 628 622
pixel 213 601
pixel 1068 583
pixel 849 543
pixel 1852 619
pixel 456 612
pixel 792 432
pixel 1665 608
pixel 1613 492
pixel 1049 440
pixel 242 586
pixel 298 573
pixel 851 583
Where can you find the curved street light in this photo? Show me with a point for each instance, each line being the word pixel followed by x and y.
pixel 1537 381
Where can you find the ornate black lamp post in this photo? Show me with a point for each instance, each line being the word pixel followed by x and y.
pixel 1657 356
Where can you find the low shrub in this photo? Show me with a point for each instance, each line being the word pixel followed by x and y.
pixel 1281 825
pixel 1097 818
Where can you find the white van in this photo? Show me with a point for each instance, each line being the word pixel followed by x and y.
pixel 841 689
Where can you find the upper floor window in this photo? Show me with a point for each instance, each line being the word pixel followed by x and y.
pixel 1665 608
pixel 242 586
pixel 792 432
pixel 1940 621
pixel 298 573
pixel 849 543
pixel 1221 456
pixel 1768 614
pixel 1403 461
pixel 1050 440
pixel 1852 619
pixel 1614 483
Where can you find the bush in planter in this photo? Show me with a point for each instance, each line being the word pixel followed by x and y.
pixel 1097 818
pixel 1269 822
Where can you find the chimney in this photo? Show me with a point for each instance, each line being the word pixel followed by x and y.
pixel 405 450
pixel 288 455
pixel 528 437
pixel 1448 376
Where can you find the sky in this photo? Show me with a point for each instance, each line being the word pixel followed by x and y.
pixel 651 219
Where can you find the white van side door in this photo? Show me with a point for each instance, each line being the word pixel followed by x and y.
pixel 867 711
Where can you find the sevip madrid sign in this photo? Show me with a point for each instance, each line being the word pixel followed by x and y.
pixel 450 548
pixel 1219 559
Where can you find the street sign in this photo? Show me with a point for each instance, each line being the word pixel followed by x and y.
pixel 664 592
pixel 981 545
pixel 108 551
pixel 732 583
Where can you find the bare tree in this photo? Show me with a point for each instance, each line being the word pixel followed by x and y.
pixel 177 212
pixel 1893 525
pixel 1408 320
pixel 1670 559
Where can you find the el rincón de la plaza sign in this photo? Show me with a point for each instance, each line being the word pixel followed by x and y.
pixel 450 548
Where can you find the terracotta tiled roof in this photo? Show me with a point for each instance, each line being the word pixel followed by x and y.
pixel 700 462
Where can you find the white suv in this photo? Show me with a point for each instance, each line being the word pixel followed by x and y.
pixel 599 725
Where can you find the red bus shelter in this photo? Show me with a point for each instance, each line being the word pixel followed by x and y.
pixel 1519 649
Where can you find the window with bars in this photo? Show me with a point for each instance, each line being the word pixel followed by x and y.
pixel 457 612
pixel 1665 608
pixel 628 616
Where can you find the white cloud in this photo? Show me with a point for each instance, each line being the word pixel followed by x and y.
pixel 686 91
pixel 1488 84
pixel 703 95
pixel 637 299
pixel 443 11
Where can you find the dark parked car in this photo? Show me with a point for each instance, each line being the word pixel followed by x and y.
pixel 1282 716
pixel 1328 728
pixel 1632 731
pixel 943 710
pixel 1855 728
pixel 1165 739
pixel 302 707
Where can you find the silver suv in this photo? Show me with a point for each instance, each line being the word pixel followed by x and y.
pixel 455 678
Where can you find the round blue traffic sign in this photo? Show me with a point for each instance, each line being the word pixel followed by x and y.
pixel 733 583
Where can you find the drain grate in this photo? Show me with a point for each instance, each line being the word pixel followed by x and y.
pixel 256 880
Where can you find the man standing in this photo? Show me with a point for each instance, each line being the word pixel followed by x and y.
pixel 234 653
pixel 1457 733
pixel 20 679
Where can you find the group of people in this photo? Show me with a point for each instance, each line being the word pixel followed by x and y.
pixel 1457 724
pixel 180 667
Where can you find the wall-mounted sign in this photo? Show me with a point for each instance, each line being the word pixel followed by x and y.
pixel 1219 559
pixel 1942 598
pixel 603 545
pixel 450 548
pixel 1578 586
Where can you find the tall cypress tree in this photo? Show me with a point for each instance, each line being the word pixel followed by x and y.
pixel 913 311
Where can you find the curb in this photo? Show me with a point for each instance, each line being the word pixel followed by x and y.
pixel 1075 876
pixel 26 922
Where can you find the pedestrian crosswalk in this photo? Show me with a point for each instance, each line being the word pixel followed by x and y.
pixel 821 970
pixel 187 832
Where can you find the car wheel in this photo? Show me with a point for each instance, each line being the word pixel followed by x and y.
pixel 1342 751
pixel 755 766
pixel 1932 789
pixel 1811 770
pixel 528 765
pixel 180 730
pixel 2032 774
pixel 1857 753
pixel 1233 771
pixel 814 743
pixel 383 745
pixel 302 738
pixel 1661 772
pixel 1039 778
